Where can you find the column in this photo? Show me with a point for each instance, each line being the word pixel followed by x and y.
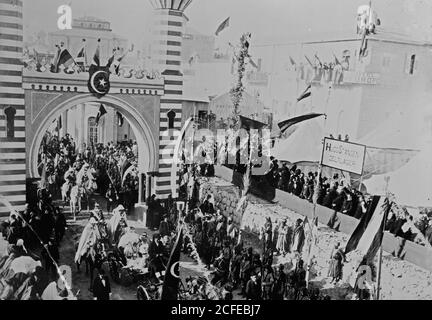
pixel 13 154
pixel 110 121
pixel 81 129
pixel 168 29
pixel 64 119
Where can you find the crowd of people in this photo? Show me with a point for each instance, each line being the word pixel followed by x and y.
pixel 337 194
pixel 237 267
pixel 29 269
pixel 112 168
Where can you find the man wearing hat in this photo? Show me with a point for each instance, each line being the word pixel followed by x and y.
pixel 253 288
pixel 97 213
pixel 119 217
pixel 164 227
pixel 298 237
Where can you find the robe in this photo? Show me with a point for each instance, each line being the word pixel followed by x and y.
pixel 298 239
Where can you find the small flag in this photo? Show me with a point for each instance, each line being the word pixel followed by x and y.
pixel 101 112
pixel 81 59
pixel 222 26
pixel 305 93
pixel 115 62
pixel 368 235
pixel 308 60
pixel 318 59
pixel 172 275
pixel 96 57
pixel 292 61
pixel 65 59
pixel 284 125
pixel 111 59
pixel 336 60
pixel 59 123
pixel 253 63
pixel 55 60
pixel 120 119
pixel 191 59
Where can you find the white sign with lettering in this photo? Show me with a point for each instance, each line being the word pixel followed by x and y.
pixel 342 155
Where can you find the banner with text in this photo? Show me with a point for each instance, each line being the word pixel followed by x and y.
pixel 342 155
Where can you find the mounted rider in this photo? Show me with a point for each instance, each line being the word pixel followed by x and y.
pixel 70 176
pixel 118 222
pixel 85 178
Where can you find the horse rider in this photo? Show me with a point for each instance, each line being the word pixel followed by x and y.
pixel 97 213
pixel 117 222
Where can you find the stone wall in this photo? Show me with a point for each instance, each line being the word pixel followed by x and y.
pixel 226 196
pixel 400 279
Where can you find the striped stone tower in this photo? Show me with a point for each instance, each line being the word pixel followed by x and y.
pixel 168 29
pixel 12 124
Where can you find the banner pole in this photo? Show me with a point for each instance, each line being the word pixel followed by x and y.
pixel 381 248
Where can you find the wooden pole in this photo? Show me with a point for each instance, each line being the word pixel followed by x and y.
pixel 381 248
pixel 316 191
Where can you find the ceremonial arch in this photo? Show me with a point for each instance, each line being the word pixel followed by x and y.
pixel 31 96
pixel 138 101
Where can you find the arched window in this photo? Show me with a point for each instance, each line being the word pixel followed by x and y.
pixel 171 116
pixel 412 64
pixel 10 122
pixel 92 130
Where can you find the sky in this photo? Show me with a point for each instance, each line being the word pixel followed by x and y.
pixel 269 21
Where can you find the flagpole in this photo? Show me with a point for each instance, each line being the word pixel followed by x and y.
pixel 317 187
pixel 387 178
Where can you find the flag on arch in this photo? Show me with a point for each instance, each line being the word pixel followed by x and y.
pixel 81 59
pixel 65 59
pixel 96 57
pixel 101 112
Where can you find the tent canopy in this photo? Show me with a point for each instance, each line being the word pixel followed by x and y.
pixel 404 131
pixel 411 184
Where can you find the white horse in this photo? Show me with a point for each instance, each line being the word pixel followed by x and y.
pixel 65 192
pixel 75 199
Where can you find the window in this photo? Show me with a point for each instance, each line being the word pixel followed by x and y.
pixel 171 116
pixel 10 122
pixel 412 64
pixel 92 131
pixel 386 61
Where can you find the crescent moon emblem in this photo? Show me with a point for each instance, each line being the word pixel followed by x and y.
pixel 92 82
pixel 173 271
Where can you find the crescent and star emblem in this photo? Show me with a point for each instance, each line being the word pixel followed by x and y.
pixel 173 269
pixel 99 83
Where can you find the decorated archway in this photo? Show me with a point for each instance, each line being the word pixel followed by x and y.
pixel 147 148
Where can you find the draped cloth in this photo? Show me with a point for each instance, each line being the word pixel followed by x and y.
pixel 88 238
pixel 51 293
pixel 115 220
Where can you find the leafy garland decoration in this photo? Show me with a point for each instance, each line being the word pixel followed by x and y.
pixel 237 91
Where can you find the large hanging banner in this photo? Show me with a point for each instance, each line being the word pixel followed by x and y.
pixel 346 156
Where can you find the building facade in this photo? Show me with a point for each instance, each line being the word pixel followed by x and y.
pixel 33 98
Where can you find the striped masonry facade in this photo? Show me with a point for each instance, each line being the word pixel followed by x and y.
pixel 12 149
pixel 168 32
